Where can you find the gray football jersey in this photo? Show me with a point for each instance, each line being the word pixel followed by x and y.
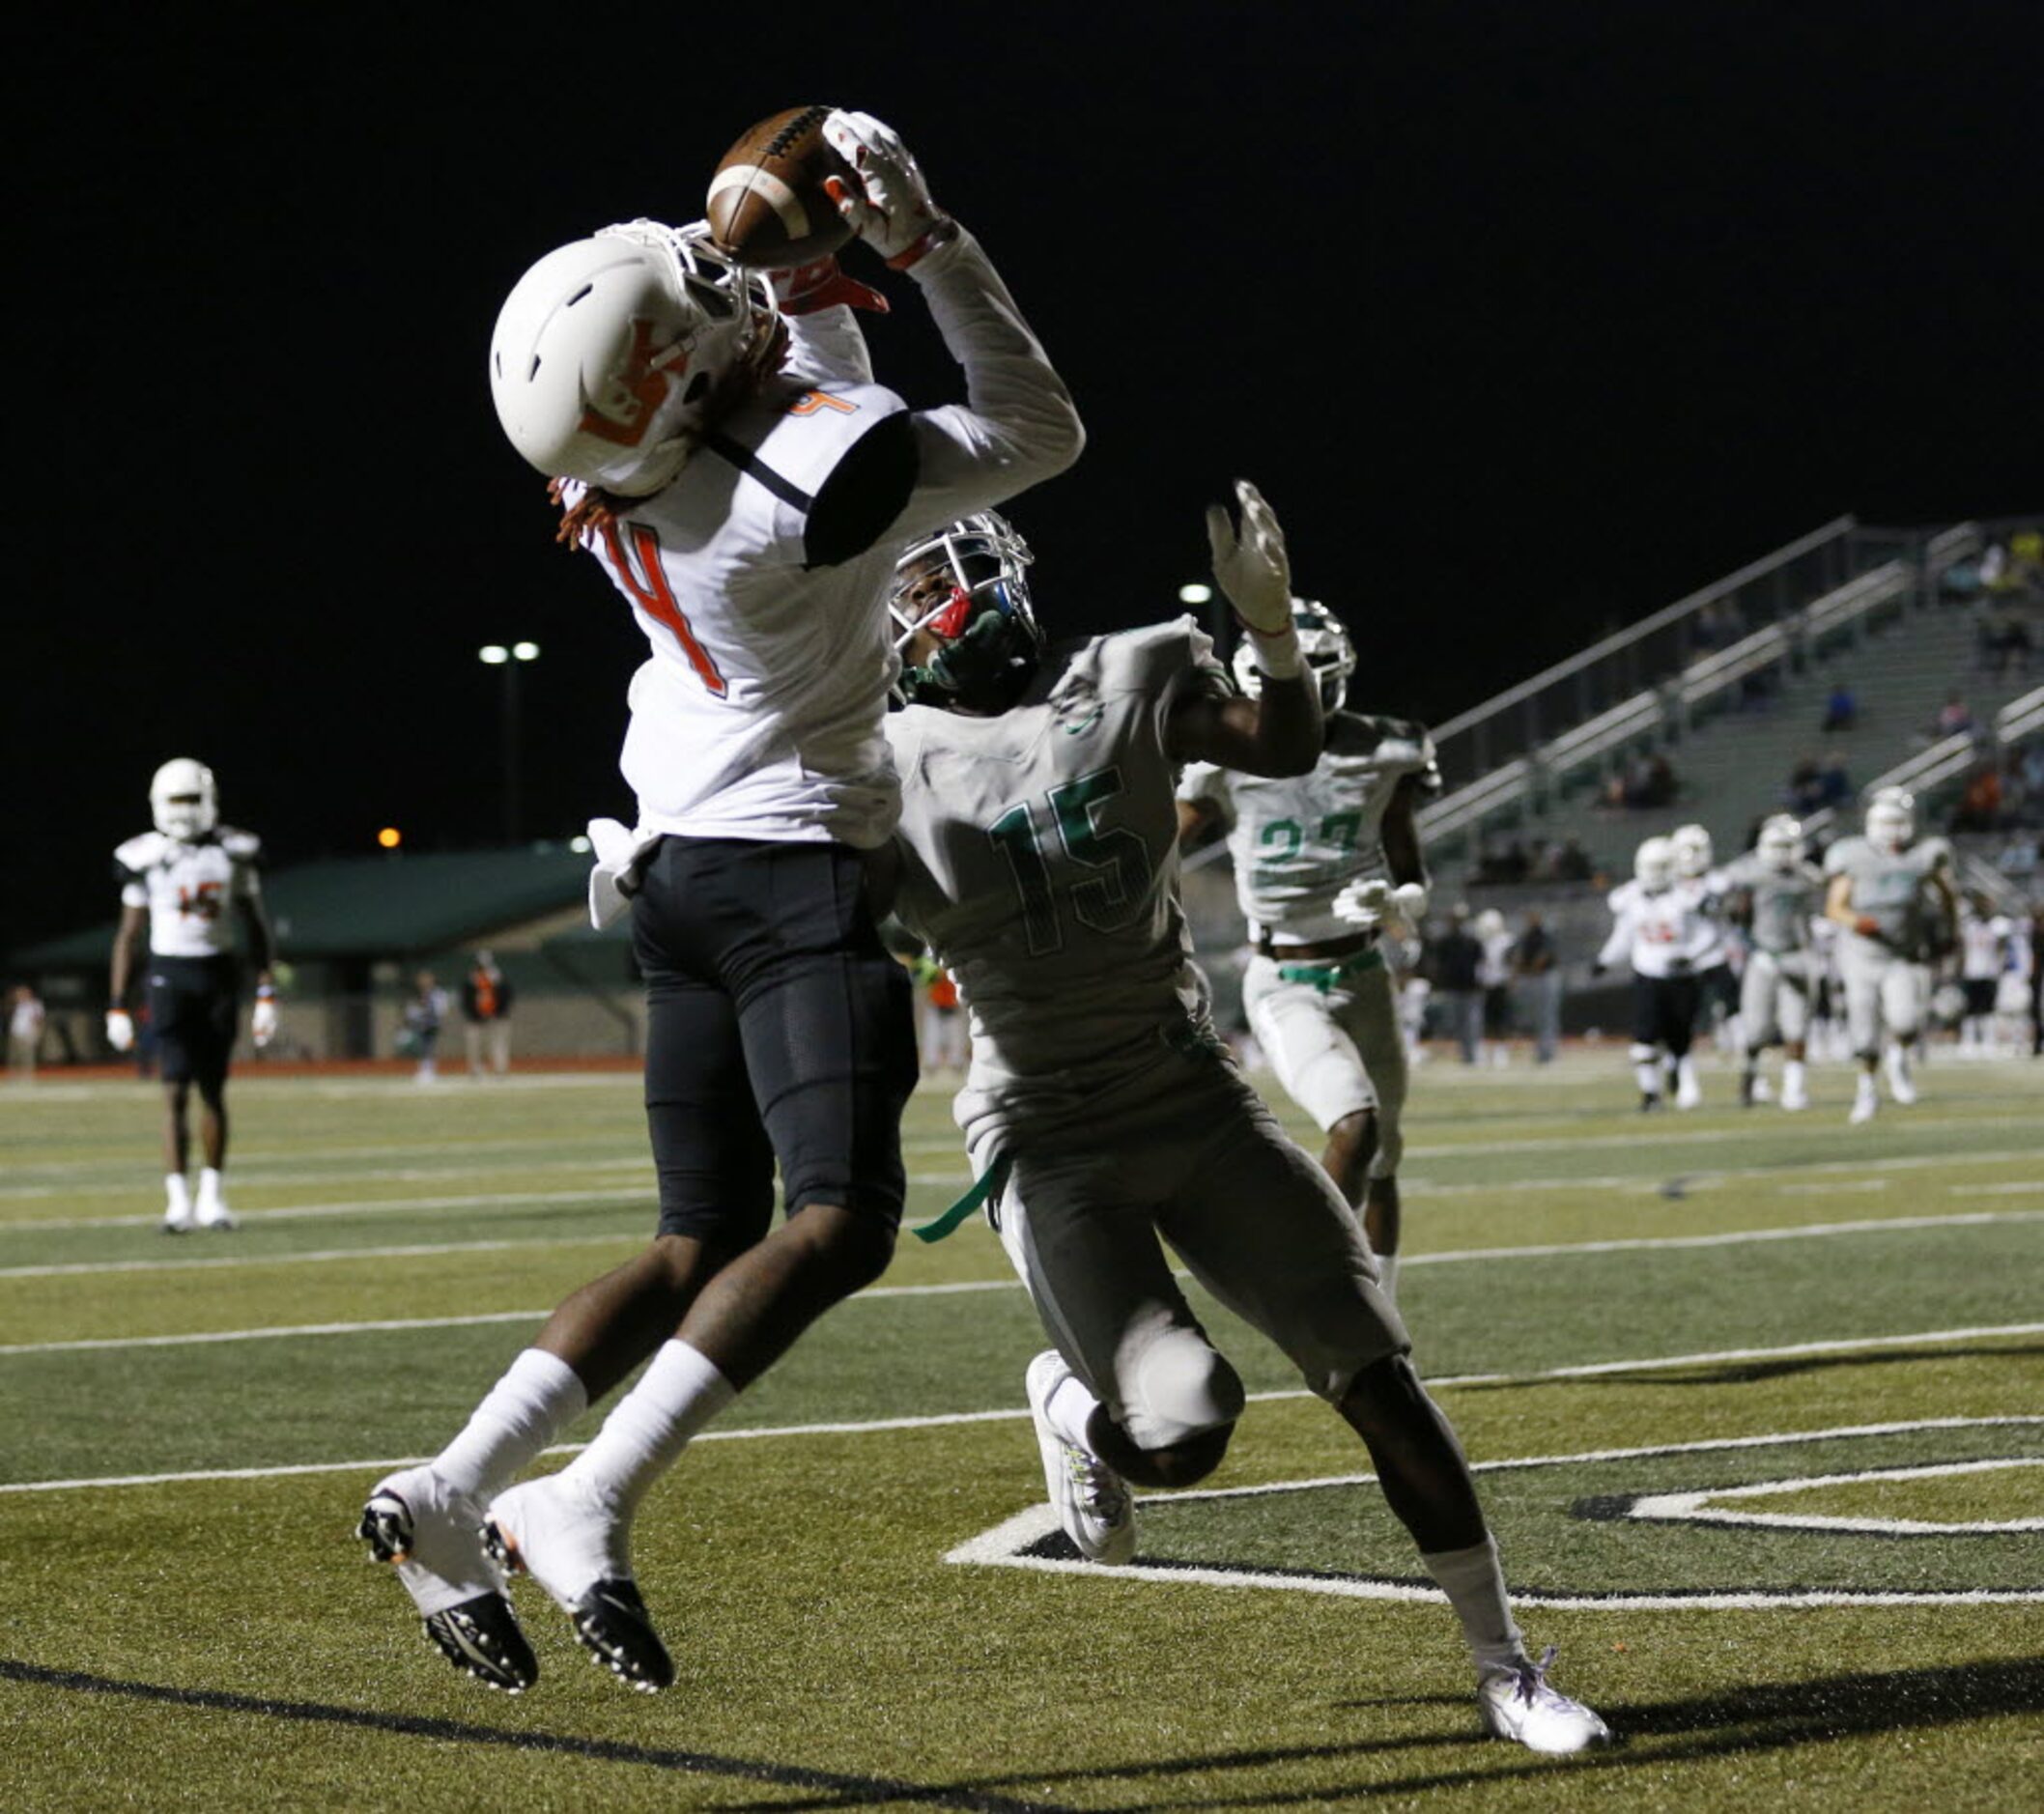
pixel 1892 887
pixel 1039 862
pixel 1297 841
pixel 1785 902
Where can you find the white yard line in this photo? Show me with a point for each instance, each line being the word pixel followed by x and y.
pixel 1737 1237
pixel 947 1419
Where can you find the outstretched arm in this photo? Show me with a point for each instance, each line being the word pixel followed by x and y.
pixel 1278 732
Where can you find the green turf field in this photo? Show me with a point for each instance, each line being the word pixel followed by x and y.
pixel 1758 1403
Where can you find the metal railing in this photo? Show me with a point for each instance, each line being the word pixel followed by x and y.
pixel 1669 707
pixel 1519 720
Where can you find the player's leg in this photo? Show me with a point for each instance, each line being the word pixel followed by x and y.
pixel 1701 994
pixel 1262 1229
pixel 1645 1052
pixel 1371 1018
pixel 472 1036
pixel 177 1146
pixel 1863 971
pixel 1792 1013
pixel 1902 1005
pixel 1757 990
pixel 213 1050
pixel 824 1018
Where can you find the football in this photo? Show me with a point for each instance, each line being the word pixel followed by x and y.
pixel 767 206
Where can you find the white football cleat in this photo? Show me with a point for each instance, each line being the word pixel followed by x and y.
pixel 212 1212
pixel 580 1552
pixel 1518 1705
pixel 1866 1102
pixel 433 1536
pixel 1088 1497
pixel 1794 1094
pixel 177 1216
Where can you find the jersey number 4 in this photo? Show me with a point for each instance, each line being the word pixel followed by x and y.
pixel 647 583
pixel 1113 861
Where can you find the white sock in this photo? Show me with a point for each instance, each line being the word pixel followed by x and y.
pixel 1791 1077
pixel 538 1396
pixel 208 1185
pixel 1475 1585
pixel 1648 1077
pixel 1388 1275
pixel 177 1193
pixel 648 1427
pixel 1070 1408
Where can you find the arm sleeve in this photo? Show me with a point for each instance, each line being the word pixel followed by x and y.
pixel 133 891
pixel 827 348
pixel 1018 425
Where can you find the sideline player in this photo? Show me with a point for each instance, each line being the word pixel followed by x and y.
pixel 1777 894
pixel 751 511
pixel 189 886
pixel 1664 932
pixel 1317 990
pixel 1040 859
pixel 1890 893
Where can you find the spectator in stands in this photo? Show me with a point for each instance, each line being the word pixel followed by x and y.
pixel 1709 631
pixel 1572 863
pixel 1979 808
pixel 1536 966
pixel 1659 788
pixel 1803 793
pixel 24 1032
pixel 1953 716
pixel 1455 958
pixel 486 1014
pixel 1842 710
pixel 2006 643
pixel 1834 787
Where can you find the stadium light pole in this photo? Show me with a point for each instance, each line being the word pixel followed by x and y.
pixel 510 659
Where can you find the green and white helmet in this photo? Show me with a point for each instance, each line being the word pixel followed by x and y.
pixel 1325 644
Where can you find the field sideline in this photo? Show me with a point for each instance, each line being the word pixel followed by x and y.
pixel 1757 1402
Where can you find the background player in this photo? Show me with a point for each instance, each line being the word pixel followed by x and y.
pixel 1718 991
pixel 1776 894
pixel 1317 990
pixel 1040 859
pixel 191 887
pixel 751 511
pixel 1891 894
pixel 1661 928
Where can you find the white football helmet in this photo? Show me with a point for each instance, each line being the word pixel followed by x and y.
pixel 1323 641
pixel 1489 923
pixel 611 353
pixel 1692 847
pixel 1654 865
pixel 965 586
pixel 182 799
pixel 1891 819
pixel 1780 842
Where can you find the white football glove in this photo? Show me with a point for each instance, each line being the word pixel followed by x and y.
pixel 890 208
pixel 1362 903
pixel 620 861
pixel 119 1030
pixel 1408 903
pixel 1250 564
pixel 263 1020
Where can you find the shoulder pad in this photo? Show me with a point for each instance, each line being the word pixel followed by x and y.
pixel 241 846
pixel 1152 658
pixel 139 852
pixel 1840 854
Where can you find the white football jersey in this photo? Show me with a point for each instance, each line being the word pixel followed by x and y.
pixel 1040 863
pixel 189 889
pixel 1984 945
pixel 1783 902
pixel 1667 933
pixel 758 714
pixel 1893 888
pixel 1297 841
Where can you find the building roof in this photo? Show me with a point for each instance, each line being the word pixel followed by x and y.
pixel 394 906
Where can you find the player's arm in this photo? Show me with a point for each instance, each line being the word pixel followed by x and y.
pixel 1406 867
pixel 1838 907
pixel 1280 731
pixel 128 940
pixel 1197 819
pixel 1018 425
pixel 1620 942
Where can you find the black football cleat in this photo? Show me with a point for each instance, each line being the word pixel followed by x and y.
pixel 615 1628
pixel 433 1536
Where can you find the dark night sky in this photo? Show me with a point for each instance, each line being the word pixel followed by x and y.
pixel 1528 319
